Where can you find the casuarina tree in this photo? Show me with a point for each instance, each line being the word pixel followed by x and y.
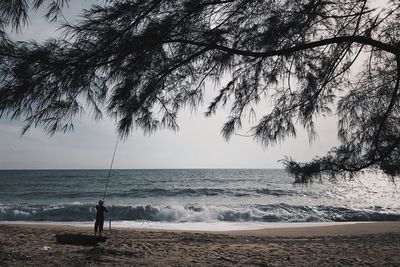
pixel 141 61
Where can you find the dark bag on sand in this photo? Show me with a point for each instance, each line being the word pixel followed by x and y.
pixel 80 239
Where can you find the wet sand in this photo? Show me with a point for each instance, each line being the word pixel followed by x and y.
pixel 364 244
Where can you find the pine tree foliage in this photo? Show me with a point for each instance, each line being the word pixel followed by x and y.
pixel 141 61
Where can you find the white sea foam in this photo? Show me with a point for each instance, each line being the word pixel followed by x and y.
pixel 192 213
pixel 187 226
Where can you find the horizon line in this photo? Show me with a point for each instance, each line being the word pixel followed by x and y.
pixel 86 169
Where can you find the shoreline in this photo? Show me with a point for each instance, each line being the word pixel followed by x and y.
pixel 220 226
pixel 375 244
pixel 290 229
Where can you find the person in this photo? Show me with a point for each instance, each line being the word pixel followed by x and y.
pixel 98 225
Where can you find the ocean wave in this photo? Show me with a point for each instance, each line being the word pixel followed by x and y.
pixel 164 192
pixel 157 192
pixel 199 192
pixel 197 213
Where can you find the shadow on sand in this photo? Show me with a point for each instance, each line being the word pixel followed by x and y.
pixel 80 239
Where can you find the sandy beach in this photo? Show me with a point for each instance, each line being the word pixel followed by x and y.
pixel 364 244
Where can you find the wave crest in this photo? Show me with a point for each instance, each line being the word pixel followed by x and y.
pixel 197 213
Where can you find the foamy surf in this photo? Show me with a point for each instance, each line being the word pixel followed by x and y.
pixel 179 198
pixel 195 213
pixel 187 226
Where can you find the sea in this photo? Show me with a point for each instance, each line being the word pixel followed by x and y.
pixel 194 199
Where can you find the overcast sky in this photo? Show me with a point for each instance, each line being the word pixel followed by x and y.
pixel 198 143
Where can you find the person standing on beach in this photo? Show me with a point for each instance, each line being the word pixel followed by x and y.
pixel 100 209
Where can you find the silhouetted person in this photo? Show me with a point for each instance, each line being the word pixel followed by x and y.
pixel 100 209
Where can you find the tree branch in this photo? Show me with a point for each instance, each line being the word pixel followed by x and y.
pixel 287 51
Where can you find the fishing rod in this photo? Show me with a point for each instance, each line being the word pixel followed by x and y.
pixel 109 171
pixel 108 180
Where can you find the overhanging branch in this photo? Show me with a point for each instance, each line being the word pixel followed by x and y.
pixel 287 51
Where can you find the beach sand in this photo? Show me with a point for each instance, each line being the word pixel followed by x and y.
pixel 364 244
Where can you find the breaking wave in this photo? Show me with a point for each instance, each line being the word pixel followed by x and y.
pixel 196 213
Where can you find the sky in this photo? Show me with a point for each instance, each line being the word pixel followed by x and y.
pixel 198 143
